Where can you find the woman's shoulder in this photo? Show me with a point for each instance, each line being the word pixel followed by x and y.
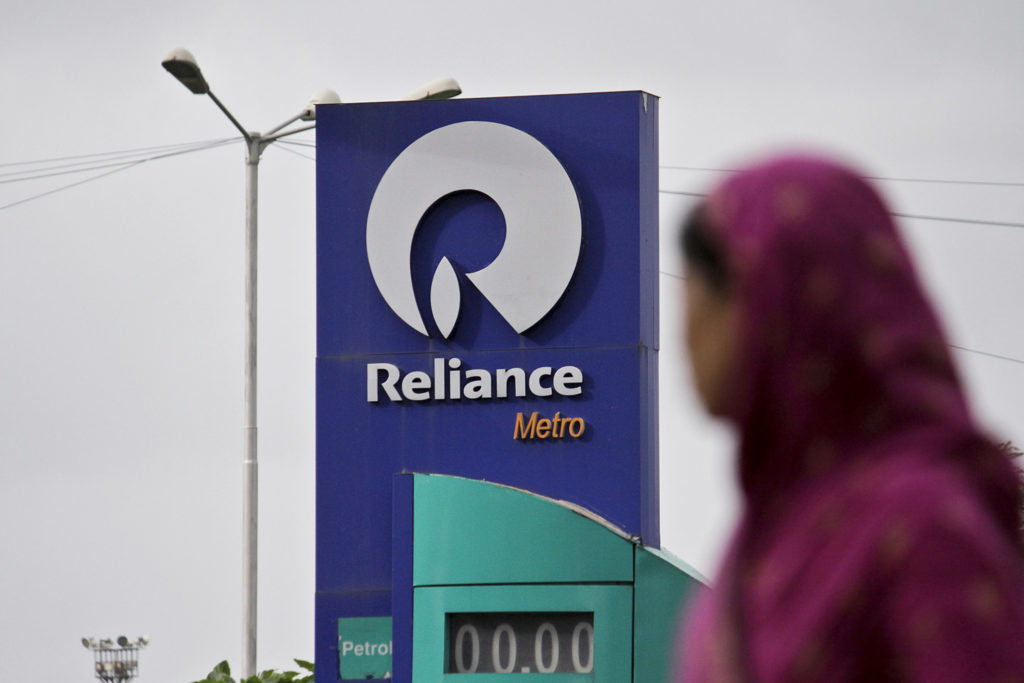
pixel 926 521
pixel 940 582
pixel 949 575
pixel 893 515
pixel 912 486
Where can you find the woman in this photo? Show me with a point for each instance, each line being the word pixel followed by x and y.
pixel 880 533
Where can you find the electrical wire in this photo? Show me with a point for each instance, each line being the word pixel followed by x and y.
pixel 969 221
pixel 81 167
pixel 298 143
pixel 920 217
pixel 70 185
pixel 130 152
pixel 685 194
pixel 113 160
pixel 94 163
pixel 298 154
pixel 123 166
pixel 185 148
pixel 941 181
pixel 989 354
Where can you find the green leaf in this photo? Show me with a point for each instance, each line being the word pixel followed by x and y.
pixel 219 674
pixel 222 674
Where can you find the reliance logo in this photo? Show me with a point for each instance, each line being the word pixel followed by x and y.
pixel 543 230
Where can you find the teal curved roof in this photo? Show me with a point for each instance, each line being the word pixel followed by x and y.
pixel 470 532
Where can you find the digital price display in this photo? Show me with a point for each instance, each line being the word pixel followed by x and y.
pixel 520 642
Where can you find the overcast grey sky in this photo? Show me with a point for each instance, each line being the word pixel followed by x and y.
pixel 121 300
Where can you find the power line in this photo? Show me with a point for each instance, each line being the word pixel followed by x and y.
pixel 297 154
pixel 298 143
pixel 970 221
pixel 920 217
pixel 986 353
pixel 114 160
pixel 137 150
pixel 685 194
pixel 942 181
pixel 124 166
pixel 946 181
pixel 112 164
pixel 94 163
pixel 305 143
pixel 997 356
pixel 70 185
pixel 195 147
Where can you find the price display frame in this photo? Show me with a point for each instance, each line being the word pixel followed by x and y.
pixel 610 606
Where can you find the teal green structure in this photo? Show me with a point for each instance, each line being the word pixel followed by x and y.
pixel 490 554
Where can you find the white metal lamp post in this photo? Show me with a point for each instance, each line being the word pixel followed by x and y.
pixel 183 66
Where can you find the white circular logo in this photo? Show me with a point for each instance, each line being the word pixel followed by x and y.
pixel 543 229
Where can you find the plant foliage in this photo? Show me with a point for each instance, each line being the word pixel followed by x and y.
pixel 222 674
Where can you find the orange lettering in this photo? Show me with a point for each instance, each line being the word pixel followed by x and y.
pixel 527 430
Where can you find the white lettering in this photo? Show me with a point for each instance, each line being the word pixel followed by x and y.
pixel 416 386
pixel 535 386
pixel 450 381
pixel 439 379
pixel 456 386
pixel 479 384
pixel 373 374
pixel 568 381
pixel 365 649
pixel 503 376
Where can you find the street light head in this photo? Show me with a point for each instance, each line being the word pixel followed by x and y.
pixel 122 641
pixel 441 89
pixel 324 96
pixel 183 66
pixel 87 642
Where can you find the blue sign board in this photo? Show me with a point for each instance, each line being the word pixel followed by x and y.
pixel 487 308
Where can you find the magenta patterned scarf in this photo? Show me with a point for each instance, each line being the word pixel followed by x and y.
pixel 880 532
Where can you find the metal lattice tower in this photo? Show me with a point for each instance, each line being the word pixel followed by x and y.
pixel 116 662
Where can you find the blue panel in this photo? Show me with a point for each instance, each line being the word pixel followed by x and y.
pixel 607 144
pixel 648 206
pixel 401 599
pixel 473 439
pixel 605 323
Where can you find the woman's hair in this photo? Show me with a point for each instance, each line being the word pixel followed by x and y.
pixel 704 251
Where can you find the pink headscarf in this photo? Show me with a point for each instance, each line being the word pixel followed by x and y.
pixel 879 535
